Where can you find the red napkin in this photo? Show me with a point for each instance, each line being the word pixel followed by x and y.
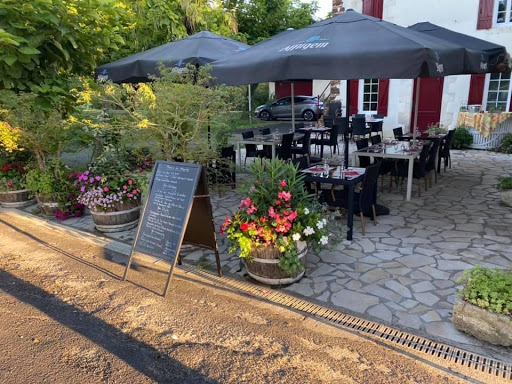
pixel 351 173
pixel 317 169
pixel 410 150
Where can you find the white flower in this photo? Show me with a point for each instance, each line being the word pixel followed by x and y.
pixel 308 231
pixel 320 224
pixel 306 211
pixel 324 240
pixel 324 221
pixel 296 236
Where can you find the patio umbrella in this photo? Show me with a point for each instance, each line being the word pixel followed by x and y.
pixel 199 49
pixel 481 56
pixel 348 46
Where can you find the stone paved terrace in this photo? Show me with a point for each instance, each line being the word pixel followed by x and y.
pixel 404 271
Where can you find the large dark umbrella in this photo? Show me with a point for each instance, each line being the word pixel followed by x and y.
pixel 199 49
pixel 348 46
pixel 481 56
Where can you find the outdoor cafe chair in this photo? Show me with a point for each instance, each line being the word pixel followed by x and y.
pixel 328 120
pixel 376 127
pixel 398 133
pixel 364 161
pixel 359 127
pixel 331 141
pixel 265 131
pixel 284 151
pixel 444 151
pixel 431 162
pixel 305 149
pixel 376 139
pixel 419 168
pixel 251 150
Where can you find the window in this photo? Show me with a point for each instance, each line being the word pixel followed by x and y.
pixel 498 92
pixel 370 95
pixel 504 12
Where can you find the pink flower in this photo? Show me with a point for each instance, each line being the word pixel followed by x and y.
pixel 286 196
pixel 91 180
pixel 129 194
pixel 105 189
pixel 86 173
pixel 251 209
pixel 292 216
pixel 245 203
pixel 98 178
pixel 71 175
pixel 125 187
pixel 9 184
pixel 82 189
pixel 282 183
pixel 130 182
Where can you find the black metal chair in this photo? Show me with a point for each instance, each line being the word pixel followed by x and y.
pixel 251 150
pixel 401 169
pixel 444 151
pixel 360 115
pixel 305 149
pixel 366 198
pixel 431 162
pixel 376 139
pixel 328 121
pixel 331 141
pixel 335 108
pixel 302 162
pixel 298 126
pixel 378 116
pixel 364 161
pixel 265 131
pixel 398 133
pixel 284 152
pixel 359 127
pixel 376 127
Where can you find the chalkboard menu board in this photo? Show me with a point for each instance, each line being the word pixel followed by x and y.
pixel 172 191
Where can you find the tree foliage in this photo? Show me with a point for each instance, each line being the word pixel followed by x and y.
pixel 260 19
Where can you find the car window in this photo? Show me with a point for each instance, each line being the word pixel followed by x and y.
pixel 284 101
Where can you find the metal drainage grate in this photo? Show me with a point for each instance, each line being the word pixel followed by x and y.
pixel 428 348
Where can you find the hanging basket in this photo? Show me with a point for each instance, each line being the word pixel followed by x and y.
pixel 264 266
pixel 16 199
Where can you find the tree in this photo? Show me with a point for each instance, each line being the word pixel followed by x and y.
pixel 45 41
pixel 260 19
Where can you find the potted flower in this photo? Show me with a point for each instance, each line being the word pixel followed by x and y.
pixel 505 187
pixel 484 306
pixel 54 189
pixel 12 186
pixel 276 222
pixel 113 199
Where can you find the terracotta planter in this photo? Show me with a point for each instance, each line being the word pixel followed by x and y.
pixel 49 206
pixel 16 199
pixel 117 221
pixel 264 266
pixel 506 197
pixel 482 324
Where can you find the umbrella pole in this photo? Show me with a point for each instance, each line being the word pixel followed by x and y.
pixel 416 104
pixel 347 116
pixel 250 105
pixel 293 106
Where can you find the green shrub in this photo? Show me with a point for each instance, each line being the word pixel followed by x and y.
pixel 462 138
pixel 488 289
pixel 506 144
pixel 505 182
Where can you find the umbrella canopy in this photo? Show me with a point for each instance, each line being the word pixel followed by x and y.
pixel 199 49
pixel 348 46
pixel 480 57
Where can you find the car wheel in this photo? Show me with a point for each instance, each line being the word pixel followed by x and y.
pixel 265 115
pixel 308 115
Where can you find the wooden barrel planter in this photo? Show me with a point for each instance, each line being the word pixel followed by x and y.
pixel 116 221
pixel 264 266
pixel 49 206
pixel 16 199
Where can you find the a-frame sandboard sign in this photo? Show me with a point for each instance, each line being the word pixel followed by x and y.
pixel 177 210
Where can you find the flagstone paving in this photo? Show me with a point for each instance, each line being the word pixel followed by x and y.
pixel 404 271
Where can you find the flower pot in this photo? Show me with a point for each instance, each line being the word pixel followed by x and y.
pixel 264 266
pixel 506 197
pixel 16 199
pixel 49 206
pixel 116 221
pixel 482 324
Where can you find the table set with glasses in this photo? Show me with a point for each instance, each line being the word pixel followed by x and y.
pixel 273 140
pixel 394 149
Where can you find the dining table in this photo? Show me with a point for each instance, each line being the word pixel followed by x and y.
pixel 272 140
pixel 334 175
pixel 394 149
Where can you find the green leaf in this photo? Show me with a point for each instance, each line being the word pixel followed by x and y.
pixel 9 59
pixel 29 51
pixel 59 46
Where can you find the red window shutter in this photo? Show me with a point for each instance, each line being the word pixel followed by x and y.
pixel 354 97
pixel 476 89
pixel 485 11
pixel 382 100
pixel 373 8
pixel 510 106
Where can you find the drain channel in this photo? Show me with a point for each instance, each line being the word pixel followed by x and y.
pixel 428 348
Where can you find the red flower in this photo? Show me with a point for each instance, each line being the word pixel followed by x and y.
pixel 286 196
pixel 282 183
pixel 105 189
pixel 263 219
pixel 244 227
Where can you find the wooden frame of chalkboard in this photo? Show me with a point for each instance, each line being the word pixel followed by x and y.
pixel 177 209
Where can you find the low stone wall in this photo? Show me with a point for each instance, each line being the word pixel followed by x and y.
pixel 482 324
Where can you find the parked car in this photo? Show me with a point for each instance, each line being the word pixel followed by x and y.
pixel 307 107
